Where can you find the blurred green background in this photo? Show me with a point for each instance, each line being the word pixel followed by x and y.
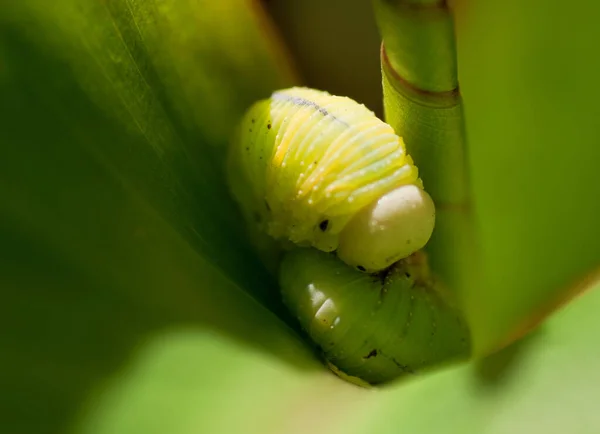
pixel 131 302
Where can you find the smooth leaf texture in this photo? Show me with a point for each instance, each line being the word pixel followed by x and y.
pixel 115 223
pixel 149 94
pixel 532 131
pixel 547 383
pixel 130 300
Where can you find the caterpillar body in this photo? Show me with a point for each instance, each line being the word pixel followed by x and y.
pixel 313 169
pixel 333 202
pixel 373 327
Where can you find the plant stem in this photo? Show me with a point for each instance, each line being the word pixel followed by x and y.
pixel 423 104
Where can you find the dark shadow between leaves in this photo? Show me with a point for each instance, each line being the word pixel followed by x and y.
pixel 497 369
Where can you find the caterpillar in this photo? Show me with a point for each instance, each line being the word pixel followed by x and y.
pixel 335 207
pixel 372 328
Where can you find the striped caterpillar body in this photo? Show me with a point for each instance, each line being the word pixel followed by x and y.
pixel 333 202
pixel 318 170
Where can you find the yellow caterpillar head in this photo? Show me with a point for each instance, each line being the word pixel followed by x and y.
pixel 320 170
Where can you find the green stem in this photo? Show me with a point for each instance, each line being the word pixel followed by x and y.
pixel 423 104
pixel 419 41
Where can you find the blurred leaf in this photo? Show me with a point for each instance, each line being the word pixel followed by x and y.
pixel 114 220
pixel 550 386
pixel 128 296
pixel 548 383
pixel 336 45
pixel 533 242
pixel 188 381
pixel 148 93
pixel 531 109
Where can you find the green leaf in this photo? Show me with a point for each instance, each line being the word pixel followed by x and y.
pixel 547 383
pixel 524 238
pixel 189 381
pixel 131 304
pixel 115 223
pixel 531 108
pixel 139 89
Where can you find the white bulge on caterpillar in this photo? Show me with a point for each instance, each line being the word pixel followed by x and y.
pixel 393 227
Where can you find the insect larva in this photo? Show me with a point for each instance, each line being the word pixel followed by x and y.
pixel 336 208
pixel 312 169
pixel 373 327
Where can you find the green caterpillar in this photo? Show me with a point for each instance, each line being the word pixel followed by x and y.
pixel 372 327
pixel 335 206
